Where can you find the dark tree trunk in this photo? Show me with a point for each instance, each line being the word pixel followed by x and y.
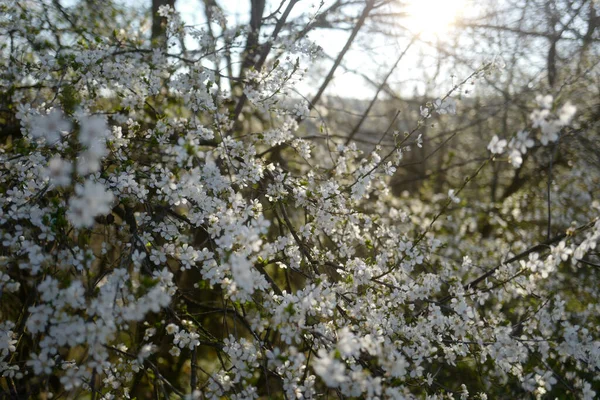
pixel 159 24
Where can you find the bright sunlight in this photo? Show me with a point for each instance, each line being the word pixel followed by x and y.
pixel 433 17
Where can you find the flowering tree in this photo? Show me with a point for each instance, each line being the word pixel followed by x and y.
pixel 170 231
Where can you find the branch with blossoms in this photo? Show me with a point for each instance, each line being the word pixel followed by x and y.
pixel 163 235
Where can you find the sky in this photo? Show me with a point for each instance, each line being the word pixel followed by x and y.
pixel 432 19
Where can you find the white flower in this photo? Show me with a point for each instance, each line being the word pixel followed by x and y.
pixel 347 344
pixel 550 131
pixel 50 126
pixel 566 113
pixel 92 129
pixel 189 339
pixel 561 251
pixel 38 319
pixel 539 117
pixel 544 101
pixel 71 379
pixel 172 329
pixel 399 365
pixel 515 157
pixel 518 147
pixel 92 200
pixel 165 10
pixel 301 110
pixel 522 141
pixel 329 369
pixel 497 145
pixel 587 392
pixel 88 161
pixel 7 339
pixel 548 123
pixel 41 363
pixel 137 257
pixel 452 196
pixel 93 133
pixel 145 352
pixel 242 271
pixel 464 395
pixel 59 171
pixel 158 257
pixel 448 106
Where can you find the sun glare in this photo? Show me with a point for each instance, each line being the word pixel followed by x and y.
pixel 433 17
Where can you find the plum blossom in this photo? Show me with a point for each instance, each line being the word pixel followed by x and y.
pixel 544 101
pixel 93 133
pixel 446 106
pixel 284 256
pixel 41 363
pixel 92 129
pixel 7 339
pixel 301 110
pixel 172 329
pixel 452 196
pixel 566 113
pixel 497 145
pixel 329 369
pixel 91 199
pixel 51 127
pixel 348 344
pixel 59 171
pixel 517 147
pixel 549 124
pixel 522 141
pixel 165 10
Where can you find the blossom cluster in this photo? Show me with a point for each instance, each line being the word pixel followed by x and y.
pixel 543 119
pixel 153 240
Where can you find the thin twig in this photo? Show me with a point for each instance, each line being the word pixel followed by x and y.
pixel 341 55
pixel 379 89
pixel 533 249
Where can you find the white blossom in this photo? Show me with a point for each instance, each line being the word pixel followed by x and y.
pixel 59 171
pixel 332 371
pixel 51 127
pixel 91 199
pixel 497 145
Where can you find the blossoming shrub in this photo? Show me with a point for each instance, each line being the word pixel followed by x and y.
pixel 158 244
